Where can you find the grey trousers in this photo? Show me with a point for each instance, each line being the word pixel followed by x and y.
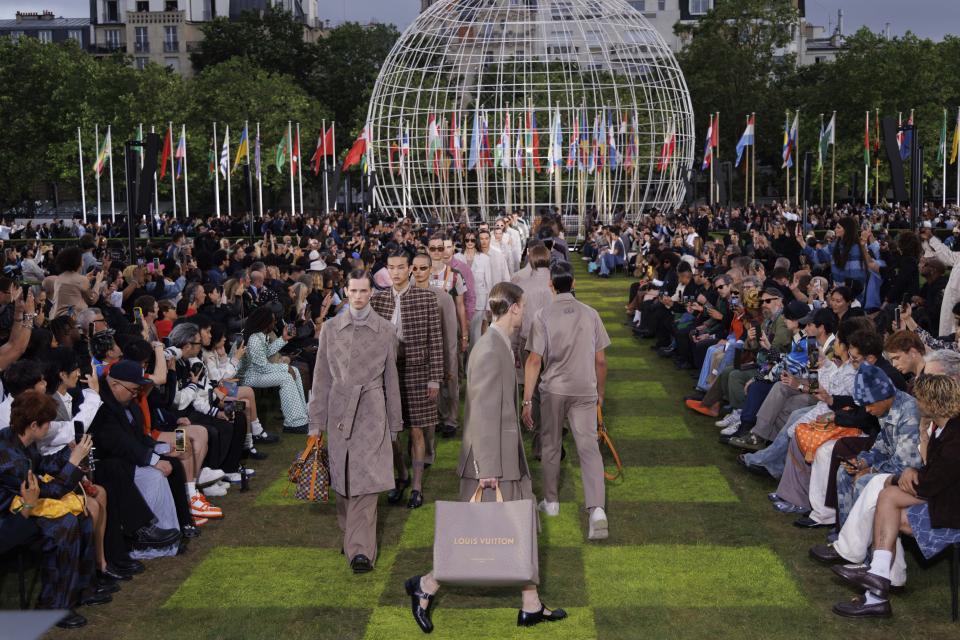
pixel 776 409
pixel 581 413
pixel 357 519
pixel 448 409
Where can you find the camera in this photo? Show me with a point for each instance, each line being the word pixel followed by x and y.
pixel 180 444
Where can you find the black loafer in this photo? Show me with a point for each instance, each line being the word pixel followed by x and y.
pixel 154 536
pixel 361 564
pixel 301 430
pixel 825 553
pixel 252 454
pixel 266 438
pixel 114 573
pixel 807 522
pixel 858 608
pixel 871 582
pixel 72 620
pixel 106 587
pixel 190 531
pixel 395 495
pixel 129 566
pixel 416 500
pixel 420 615
pixel 448 431
pixel 525 619
pixel 95 599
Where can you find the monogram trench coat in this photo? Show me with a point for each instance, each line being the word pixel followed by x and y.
pixel 356 399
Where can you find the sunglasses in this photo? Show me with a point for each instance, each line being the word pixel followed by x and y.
pixel 425 267
pixel 470 240
pixel 768 300
pixel 431 249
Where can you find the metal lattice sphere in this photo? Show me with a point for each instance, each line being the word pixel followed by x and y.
pixel 521 104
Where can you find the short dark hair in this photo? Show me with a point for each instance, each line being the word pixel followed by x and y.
pixel 399 253
pixel 21 375
pixel 69 259
pixel 503 295
pixel 360 274
pixel 138 350
pixel 684 267
pixel 868 343
pixel 29 407
pixel 561 277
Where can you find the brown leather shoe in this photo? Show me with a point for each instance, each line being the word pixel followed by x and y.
pixel 858 608
pixel 826 554
pixel 863 579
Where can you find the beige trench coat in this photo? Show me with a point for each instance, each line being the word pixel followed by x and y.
pixel 356 399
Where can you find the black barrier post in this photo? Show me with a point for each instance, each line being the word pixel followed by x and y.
pixel 131 157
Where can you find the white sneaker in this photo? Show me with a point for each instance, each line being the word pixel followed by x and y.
pixel 208 476
pixel 235 476
pixel 733 416
pixel 732 429
pixel 598 525
pixel 222 484
pixel 550 508
pixel 215 490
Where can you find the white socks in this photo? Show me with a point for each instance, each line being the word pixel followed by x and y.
pixel 880 565
pixel 869 598
pixel 255 427
pixel 191 489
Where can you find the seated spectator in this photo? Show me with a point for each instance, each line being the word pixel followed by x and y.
pixel 166 315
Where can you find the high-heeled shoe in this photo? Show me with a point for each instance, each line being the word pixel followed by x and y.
pixel 395 495
pixel 420 615
pixel 526 619
pixel 416 500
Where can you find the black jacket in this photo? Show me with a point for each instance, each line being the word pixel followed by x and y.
pixel 115 436
pixel 939 479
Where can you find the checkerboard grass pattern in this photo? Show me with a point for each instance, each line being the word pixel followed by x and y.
pixel 694 551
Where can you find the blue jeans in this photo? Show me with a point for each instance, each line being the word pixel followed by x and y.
pixel 727 361
pixel 756 394
pixel 773 458
pixel 609 262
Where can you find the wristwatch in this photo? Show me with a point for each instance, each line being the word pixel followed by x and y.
pixel 527 403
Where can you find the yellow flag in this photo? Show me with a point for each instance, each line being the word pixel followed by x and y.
pixel 243 150
pixel 956 140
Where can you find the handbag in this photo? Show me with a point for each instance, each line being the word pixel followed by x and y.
pixel 310 472
pixel 486 544
pixel 604 438
pixel 810 435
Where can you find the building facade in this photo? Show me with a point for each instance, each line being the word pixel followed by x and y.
pixel 46 27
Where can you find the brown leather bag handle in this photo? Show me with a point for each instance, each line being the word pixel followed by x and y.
pixel 604 438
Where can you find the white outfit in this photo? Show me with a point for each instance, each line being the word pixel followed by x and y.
pixel 934 248
pixel 482 277
pixel 498 265
pixel 62 432
pixel 506 248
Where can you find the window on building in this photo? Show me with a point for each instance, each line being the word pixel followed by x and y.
pixel 141 62
pixel 112 39
pixel 45 35
pixel 699 7
pixel 639 5
pixel 170 40
pixel 113 11
pixel 661 5
pixel 171 5
pixel 143 5
pixel 15 36
pixel 75 34
pixel 140 43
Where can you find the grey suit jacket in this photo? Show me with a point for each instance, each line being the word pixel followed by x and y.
pixel 492 446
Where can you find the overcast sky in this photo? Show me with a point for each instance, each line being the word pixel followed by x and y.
pixel 927 18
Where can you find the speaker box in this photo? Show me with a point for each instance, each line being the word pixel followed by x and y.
pixel 893 156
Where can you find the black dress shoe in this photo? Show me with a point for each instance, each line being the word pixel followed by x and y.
pixel 114 573
pixel 806 522
pixel 153 536
pixel 448 431
pixel 863 579
pixel 301 430
pixel 252 454
pixel 395 495
pixel 72 620
pixel 129 566
pixel 416 500
pixel 858 608
pixel 420 615
pixel 106 584
pixel 190 531
pixel 361 564
pixel 266 438
pixel 525 619
pixel 825 553
pixel 696 395
pixel 93 599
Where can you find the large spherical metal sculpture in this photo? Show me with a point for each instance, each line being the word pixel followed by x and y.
pixel 485 105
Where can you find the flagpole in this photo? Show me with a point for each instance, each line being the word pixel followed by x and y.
pixel 299 168
pixel 820 144
pixel 956 127
pixel 216 172
pixel 866 165
pixel 746 174
pixel 113 207
pixel 788 163
pixel 795 153
pixel 226 141
pixel 83 190
pixel 333 125
pixel 293 199
pixel 943 189
pixel 326 186
pixel 96 146
pixel 716 155
pixel 186 181
pixel 833 162
pixel 258 159
pixel 753 162
pixel 876 174
pixel 710 145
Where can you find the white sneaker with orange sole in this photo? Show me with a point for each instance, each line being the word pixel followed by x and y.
pixel 200 508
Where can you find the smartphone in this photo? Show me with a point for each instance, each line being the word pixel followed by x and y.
pixel 813 378
pixel 291 329
pixel 26 291
pixel 156 264
pixel 238 342
pixel 906 300
pixel 137 315
pixel 140 262
pixel 180 443
pixel 896 318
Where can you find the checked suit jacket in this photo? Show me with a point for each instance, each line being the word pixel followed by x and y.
pixel 422 344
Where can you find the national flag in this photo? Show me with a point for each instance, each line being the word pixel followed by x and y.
pixel 556 143
pixel 502 154
pixel 167 150
pixel 181 153
pixel 520 152
pixel 613 157
pixel 585 148
pixel 533 140
pixel 956 140
pixel 486 159
pixel 599 141
pixel 788 138
pixel 942 145
pixel 225 153
pixel 243 150
pixel 866 141
pixel 668 147
pixel 357 151
pixel 456 148
pixel 256 153
pixel 281 154
pixel 907 141
pixel 899 131
pixel 593 160
pixel 295 156
pixel 405 143
pixel 573 151
pixel 212 160
pixel 394 150
pixel 474 153
pixel 324 148
pixel 828 136
pixel 105 152
pixel 434 143
pixel 708 146
pixel 746 140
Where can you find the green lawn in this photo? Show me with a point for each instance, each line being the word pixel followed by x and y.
pixel 695 551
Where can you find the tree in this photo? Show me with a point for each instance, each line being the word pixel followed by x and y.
pixel 271 40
